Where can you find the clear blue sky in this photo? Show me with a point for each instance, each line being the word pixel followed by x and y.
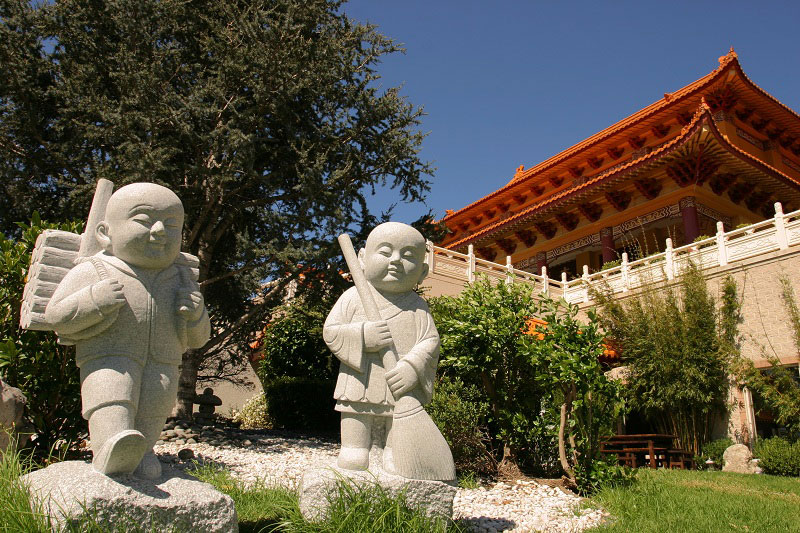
pixel 508 83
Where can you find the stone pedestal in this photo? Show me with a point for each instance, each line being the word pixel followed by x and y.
pixel 71 490
pixel 434 498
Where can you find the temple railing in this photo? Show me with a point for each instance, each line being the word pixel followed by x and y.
pixel 777 233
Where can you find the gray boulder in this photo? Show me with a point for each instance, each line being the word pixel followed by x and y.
pixel 72 490
pixel 12 408
pixel 739 458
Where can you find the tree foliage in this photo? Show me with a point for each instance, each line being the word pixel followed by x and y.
pixel 568 354
pixel 31 360
pixel 265 117
pixel 546 389
pixel 678 348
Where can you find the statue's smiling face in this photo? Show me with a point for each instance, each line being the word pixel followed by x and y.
pixel 394 258
pixel 144 226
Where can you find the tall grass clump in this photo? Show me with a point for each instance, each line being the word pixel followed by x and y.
pixel 258 507
pixel 357 508
pixel 16 513
pixel 351 508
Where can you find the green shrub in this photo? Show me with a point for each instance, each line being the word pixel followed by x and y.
pixel 611 264
pixel 253 414
pixel 460 412
pixel 32 361
pixel 528 377
pixel 603 473
pixel 714 450
pixel 293 345
pixel 301 404
pixel 778 456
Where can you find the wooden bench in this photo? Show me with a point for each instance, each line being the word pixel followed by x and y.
pixel 653 450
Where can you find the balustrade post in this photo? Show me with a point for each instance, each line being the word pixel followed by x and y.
pixel 625 280
pixel 509 270
pixel 722 251
pixel 670 260
pixel 545 281
pixel 470 264
pixel 431 256
pixel 585 278
pixel 564 278
pixel 780 227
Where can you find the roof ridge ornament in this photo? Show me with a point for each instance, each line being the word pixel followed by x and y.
pixel 731 55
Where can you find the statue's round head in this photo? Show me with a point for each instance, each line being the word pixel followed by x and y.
pixel 393 258
pixel 143 225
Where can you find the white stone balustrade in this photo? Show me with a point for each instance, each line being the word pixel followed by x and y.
pixel 777 233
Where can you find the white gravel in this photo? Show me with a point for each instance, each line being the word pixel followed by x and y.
pixel 510 506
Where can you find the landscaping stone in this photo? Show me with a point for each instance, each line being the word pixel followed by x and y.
pixel 72 490
pixel 186 454
pixel 12 408
pixel 434 498
pixel 739 458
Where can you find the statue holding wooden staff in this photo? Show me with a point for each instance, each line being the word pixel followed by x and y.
pixel 384 336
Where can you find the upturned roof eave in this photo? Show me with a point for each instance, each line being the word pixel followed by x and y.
pixel 675 99
pixel 703 115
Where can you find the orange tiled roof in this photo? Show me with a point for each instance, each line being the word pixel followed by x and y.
pixel 685 134
pixel 701 117
pixel 726 62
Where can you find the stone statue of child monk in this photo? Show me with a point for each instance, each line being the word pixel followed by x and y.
pixel 393 261
pixel 131 309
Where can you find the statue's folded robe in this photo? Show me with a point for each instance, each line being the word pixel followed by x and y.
pixel 361 387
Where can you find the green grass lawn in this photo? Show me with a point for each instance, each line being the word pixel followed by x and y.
pixel 688 501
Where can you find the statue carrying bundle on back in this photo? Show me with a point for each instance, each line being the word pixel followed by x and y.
pixel 127 297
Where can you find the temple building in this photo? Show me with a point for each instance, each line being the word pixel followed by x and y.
pixel 720 149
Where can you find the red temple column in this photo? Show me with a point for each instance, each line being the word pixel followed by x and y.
pixel 691 225
pixel 541 261
pixel 607 244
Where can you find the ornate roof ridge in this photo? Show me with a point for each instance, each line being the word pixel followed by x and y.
pixel 669 99
pixel 702 114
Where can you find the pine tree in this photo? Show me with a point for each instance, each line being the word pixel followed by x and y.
pixel 265 117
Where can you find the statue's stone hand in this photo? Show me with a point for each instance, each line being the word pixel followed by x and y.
pixel 376 335
pixel 401 379
pixel 190 306
pixel 107 295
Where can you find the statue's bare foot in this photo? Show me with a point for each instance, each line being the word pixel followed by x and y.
pixel 353 458
pixel 121 453
pixel 149 468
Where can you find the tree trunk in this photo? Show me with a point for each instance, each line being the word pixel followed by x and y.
pixel 187 383
pixel 508 467
pixel 566 409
